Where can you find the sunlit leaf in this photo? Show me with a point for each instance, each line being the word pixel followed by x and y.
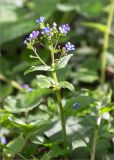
pixel 25 101
pixel 62 62
pixel 15 146
pixel 107 108
pixel 44 82
pixel 38 68
pixel 65 84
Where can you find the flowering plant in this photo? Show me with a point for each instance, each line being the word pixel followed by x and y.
pixel 49 37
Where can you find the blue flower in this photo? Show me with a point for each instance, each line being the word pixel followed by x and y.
pixel 76 105
pixel 45 30
pixel 69 46
pixel 34 34
pixel 26 87
pixel 40 20
pixel 3 140
pixel 64 29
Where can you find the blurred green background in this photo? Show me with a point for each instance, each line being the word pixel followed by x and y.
pixel 88 22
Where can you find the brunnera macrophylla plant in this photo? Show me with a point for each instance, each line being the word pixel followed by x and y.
pixel 49 37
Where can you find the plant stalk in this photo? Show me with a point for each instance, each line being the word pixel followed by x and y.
pixel 106 42
pixel 94 143
pixel 59 102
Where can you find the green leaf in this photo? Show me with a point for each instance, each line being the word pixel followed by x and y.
pixel 86 75
pixel 65 84
pixel 15 146
pixel 100 27
pixel 62 62
pixel 24 102
pixel 107 108
pixel 55 151
pixel 38 68
pixel 31 127
pixel 5 90
pixel 44 81
pixel 84 103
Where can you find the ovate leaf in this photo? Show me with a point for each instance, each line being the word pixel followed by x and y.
pixel 15 146
pixel 24 102
pixel 62 62
pixel 38 68
pixel 65 84
pixel 31 127
pixel 84 103
pixel 44 82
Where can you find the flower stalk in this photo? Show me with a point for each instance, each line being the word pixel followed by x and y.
pixel 54 75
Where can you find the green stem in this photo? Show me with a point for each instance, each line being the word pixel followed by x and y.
pixel 94 143
pixel 59 102
pixel 106 42
pixel 95 137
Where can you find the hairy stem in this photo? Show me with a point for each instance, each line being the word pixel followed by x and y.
pixel 59 101
pixel 106 42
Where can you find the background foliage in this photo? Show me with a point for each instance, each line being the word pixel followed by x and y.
pixel 29 122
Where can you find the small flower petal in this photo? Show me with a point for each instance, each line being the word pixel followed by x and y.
pixel 45 30
pixel 34 34
pixel 40 20
pixel 69 46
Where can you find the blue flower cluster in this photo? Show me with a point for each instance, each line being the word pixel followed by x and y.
pixel 49 32
pixel 32 35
